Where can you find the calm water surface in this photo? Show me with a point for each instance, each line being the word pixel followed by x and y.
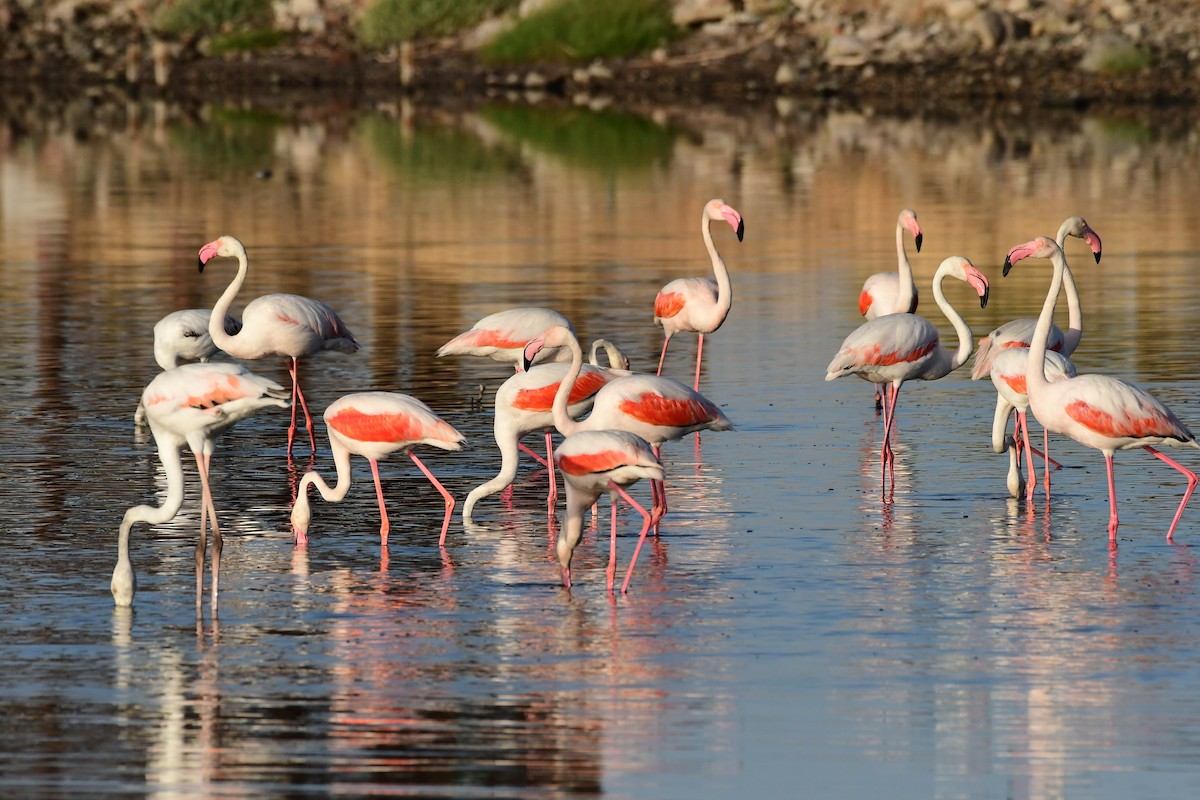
pixel 789 633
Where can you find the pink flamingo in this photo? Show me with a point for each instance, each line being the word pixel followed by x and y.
pixel 183 336
pixel 699 304
pixel 502 336
pixel 655 408
pixel 896 348
pixel 523 405
pixel 595 462
pixel 1097 411
pixel 276 325
pixel 374 425
pixel 191 404
pixel 893 292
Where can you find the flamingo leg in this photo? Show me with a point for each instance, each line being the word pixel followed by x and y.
pixel 878 397
pixel 662 358
pixel 641 536
pixel 384 524
pixel 1112 500
pixel 201 543
pixel 611 571
pixel 299 393
pixel 541 461
pixel 699 351
pixel 1192 479
pixel 207 509
pixel 1023 424
pixel 552 496
pixel 445 495
pixel 658 494
pixel 886 455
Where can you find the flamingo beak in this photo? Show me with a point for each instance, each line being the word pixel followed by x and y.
pixel 1007 266
pixel 529 353
pixel 918 239
pixel 207 252
pixel 735 221
pixel 1093 241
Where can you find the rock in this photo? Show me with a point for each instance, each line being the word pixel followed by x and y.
pixel 487 31
pixel 846 51
pixel 689 13
pixel 528 7
pixel 1121 11
pixel 786 75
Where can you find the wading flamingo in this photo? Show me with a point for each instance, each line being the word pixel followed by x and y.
pixel 655 408
pixel 896 348
pixel 191 404
pixel 699 304
pixel 183 336
pixel 595 462
pixel 523 405
pixel 275 325
pixel 502 336
pixel 893 292
pixel 374 425
pixel 1097 411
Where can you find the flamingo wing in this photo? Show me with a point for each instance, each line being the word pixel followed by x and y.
pixel 887 341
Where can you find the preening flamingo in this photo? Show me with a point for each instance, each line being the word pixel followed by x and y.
pixel 191 404
pixel 595 462
pixel 699 304
pixel 655 408
pixel 275 325
pixel 618 362
pixel 1097 411
pixel 523 405
pixel 502 336
pixel 183 336
pixel 896 348
pixel 893 292
pixel 374 425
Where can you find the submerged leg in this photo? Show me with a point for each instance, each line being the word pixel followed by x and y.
pixel 445 495
pixel 384 524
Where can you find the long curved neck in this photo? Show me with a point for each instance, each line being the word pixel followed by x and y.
pixel 168 454
pixel 1074 331
pixel 341 459
pixel 724 287
pixel 507 442
pixel 216 321
pixel 966 340
pixel 907 288
pixel 1035 368
pixel 562 418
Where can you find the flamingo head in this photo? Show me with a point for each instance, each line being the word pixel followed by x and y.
pixel 908 218
pixel 301 515
pixel 225 246
pixel 1041 247
pixel 1078 227
pixel 961 267
pixel 554 336
pixel 717 209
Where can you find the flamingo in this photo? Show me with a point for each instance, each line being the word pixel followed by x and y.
pixel 655 408
pixel 618 362
pixel 374 425
pixel 699 304
pixel 183 336
pixel 595 462
pixel 275 325
pixel 1008 376
pixel 523 405
pixel 1098 411
pixel 893 292
pixel 502 336
pixel 896 348
pixel 191 404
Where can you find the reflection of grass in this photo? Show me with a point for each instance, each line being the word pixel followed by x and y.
pixel 231 142
pixel 581 30
pixel 436 154
pixel 210 16
pixel 599 140
pixel 388 21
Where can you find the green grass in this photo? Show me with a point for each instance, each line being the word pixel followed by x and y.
pixel 583 30
pixel 390 21
pixel 1126 61
pixel 210 16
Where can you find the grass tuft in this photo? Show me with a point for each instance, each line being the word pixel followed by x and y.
pixel 210 16
pixel 388 22
pixel 583 30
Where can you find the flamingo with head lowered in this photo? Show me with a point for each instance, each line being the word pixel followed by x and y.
pixel 183 336
pixel 1097 411
pixel 896 348
pixel 275 325
pixel 699 304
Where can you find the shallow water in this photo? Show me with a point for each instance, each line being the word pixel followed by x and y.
pixel 788 628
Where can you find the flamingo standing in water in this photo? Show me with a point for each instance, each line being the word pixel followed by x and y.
pixel 1097 411
pixel 502 336
pixel 896 348
pixel 183 336
pixel 191 404
pixel 699 304
pixel 595 462
pixel 275 325
pixel 655 408
pixel 374 425
pixel 893 292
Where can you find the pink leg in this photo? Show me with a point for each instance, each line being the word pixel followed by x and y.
pixel 1191 487
pixel 887 456
pixel 299 393
pixel 533 455
pixel 1112 499
pixel 662 358
pixel 295 402
pixel 384 524
pixel 641 536
pixel 658 494
pixel 207 508
pixel 611 572
pixel 202 542
pixel 442 489
pixel 699 351
pixel 1031 485
pixel 552 496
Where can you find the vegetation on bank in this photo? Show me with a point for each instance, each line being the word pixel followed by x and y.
pixel 388 22
pixel 583 30
pixel 234 25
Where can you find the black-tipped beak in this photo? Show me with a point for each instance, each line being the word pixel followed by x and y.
pixel 1097 255
pixel 1007 266
pixel 983 298
pixel 526 363
pixel 919 238
pixel 741 229
pixel 200 263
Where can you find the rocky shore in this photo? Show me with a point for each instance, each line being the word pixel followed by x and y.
pixel 890 55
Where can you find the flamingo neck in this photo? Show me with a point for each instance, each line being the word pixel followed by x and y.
pixel 216 320
pixel 966 340
pixel 341 459
pixel 168 454
pixel 720 271
pixel 908 288
pixel 506 440
pixel 1074 331
pixel 562 418
pixel 573 532
pixel 1035 368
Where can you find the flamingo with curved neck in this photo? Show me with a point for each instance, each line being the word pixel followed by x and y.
pixel 699 304
pixel 1098 411
pixel 896 348
pixel 288 325
pixel 894 292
